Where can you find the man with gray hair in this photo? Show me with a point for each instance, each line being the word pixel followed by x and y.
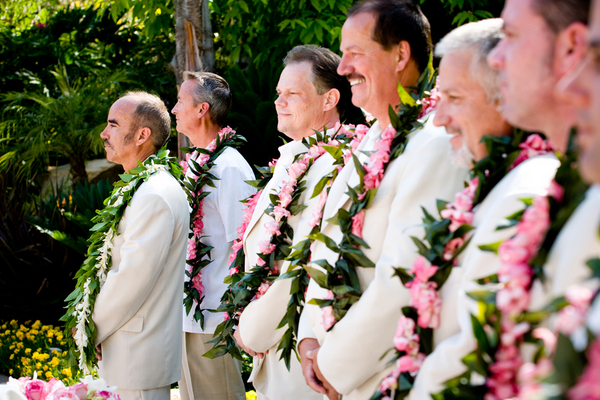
pixel 137 310
pixel 204 101
pixel 470 94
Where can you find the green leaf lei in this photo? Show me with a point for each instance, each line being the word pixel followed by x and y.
pixel 243 287
pixel 92 274
pixel 201 177
pixel 486 326
pixel 342 278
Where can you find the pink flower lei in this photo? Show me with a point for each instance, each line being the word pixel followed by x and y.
pixel 196 167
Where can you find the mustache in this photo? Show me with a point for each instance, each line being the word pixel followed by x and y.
pixel 107 143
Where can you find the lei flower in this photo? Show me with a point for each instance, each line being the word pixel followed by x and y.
pixel 198 163
pixel 444 240
pixel 341 279
pixel 246 287
pixel 92 274
pixel 504 323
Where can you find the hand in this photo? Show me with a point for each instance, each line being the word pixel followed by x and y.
pixel 330 391
pixel 99 352
pixel 238 339
pixel 305 346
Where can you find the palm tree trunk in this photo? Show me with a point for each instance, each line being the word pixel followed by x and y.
pixel 194 43
pixel 78 172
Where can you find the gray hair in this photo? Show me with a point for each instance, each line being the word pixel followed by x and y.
pixel 151 113
pixel 212 89
pixel 479 37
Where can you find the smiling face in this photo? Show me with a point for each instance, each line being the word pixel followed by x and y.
pixel 524 60
pixel 370 69
pixel 118 137
pixel 300 109
pixel 464 109
pixel 582 90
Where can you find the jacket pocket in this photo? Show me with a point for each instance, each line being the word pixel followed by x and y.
pixel 135 324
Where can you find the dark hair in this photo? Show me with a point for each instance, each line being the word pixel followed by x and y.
pixel 152 113
pixel 324 72
pixel 559 14
pixel 214 90
pixel 398 20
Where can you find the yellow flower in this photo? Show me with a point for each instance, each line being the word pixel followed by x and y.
pixel 48 374
pixel 7 332
pixel 67 372
pixel 251 395
pixel 49 340
pixel 10 371
pixel 20 345
pixel 27 351
pixel 12 346
pixel 45 368
pixel 40 373
pixel 36 356
pixel 50 333
pixel 59 337
pixel 20 335
pixel 54 362
pixel 38 365
pixel 37 324
pixel 11 356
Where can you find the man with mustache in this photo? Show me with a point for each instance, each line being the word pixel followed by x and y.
pixel 385 43
pixel 137 312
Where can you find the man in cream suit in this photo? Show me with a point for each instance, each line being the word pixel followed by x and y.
pixel 204 101
pixel 311 95
pixel 138 310
pixel 384 43
pixel 470 93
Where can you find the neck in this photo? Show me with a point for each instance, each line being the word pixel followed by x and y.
pixel 141 156
pixel 408 78
pixel 206 133
pixel 558 126
pixel 329 121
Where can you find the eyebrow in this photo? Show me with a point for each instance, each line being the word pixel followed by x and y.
pixel 113 121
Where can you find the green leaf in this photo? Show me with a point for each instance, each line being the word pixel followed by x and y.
pixel 493 247
pixel 317 276
pixel 405 98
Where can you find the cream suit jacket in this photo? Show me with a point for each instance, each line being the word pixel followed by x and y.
pixel 259 320
pixel 350 356
pixel 138 310
pixel 454 338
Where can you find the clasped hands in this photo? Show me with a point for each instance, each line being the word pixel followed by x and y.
pixel 309 350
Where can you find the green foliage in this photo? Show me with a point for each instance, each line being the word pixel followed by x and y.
pixel 263 31
pixel 68 125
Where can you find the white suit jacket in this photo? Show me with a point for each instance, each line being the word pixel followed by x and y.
pixel 350 356
pixel 259 320
pixel 138 310
pixel 454 338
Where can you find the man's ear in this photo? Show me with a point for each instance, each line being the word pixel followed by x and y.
pixel 570 48
pixel 203 109
pixel 332 98
pixel 403 54
pixel 143 135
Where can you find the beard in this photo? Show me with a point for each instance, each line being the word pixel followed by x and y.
pixel 462 158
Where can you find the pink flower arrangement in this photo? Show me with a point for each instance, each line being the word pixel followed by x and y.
pixel 266 247
pixel 238 243
pixel 572 316
pixel 532 147
pixel 327 317
pixel 588 386
pixel 357 223
pixel 430 102
pixel 423 294
pixel 87 389
pixel 513 297
pixel 460 211
pixel 317 212
pixel 377 160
